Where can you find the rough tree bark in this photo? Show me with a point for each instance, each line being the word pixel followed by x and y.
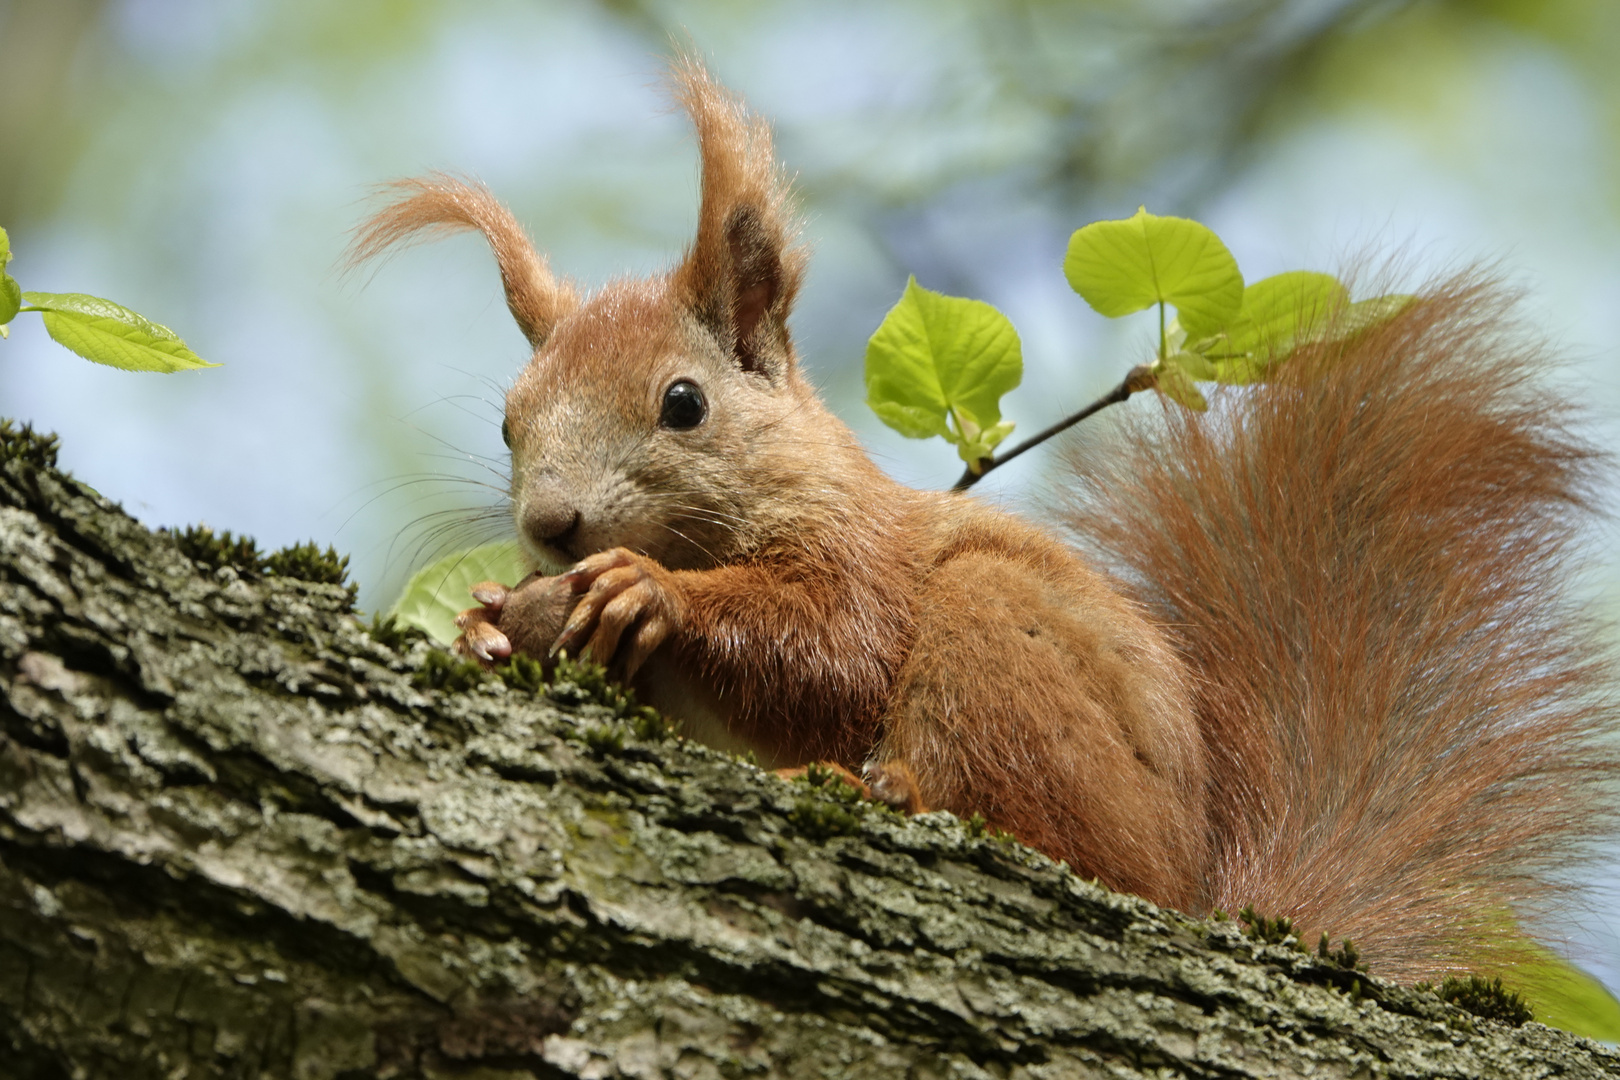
pixel 241 837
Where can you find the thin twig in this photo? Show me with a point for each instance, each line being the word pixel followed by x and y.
pixel 1139 378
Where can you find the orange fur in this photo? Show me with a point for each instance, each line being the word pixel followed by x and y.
pixel 441 204
pixel 1339 680
pixel 741 180
pixel 1366 564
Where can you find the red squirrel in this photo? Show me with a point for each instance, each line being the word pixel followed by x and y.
pixel 1317 657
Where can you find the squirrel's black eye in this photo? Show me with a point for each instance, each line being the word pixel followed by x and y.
pixel 506 433
pixel 684 406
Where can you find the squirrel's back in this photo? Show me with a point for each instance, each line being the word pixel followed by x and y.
pixel 1367 565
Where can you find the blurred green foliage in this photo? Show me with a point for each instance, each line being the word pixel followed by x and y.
pixel 1075 95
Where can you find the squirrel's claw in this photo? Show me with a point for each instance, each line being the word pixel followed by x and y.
pixel 584 574
pixel 651 633
pixel 627 603
pixel 491 594
pixel 480 639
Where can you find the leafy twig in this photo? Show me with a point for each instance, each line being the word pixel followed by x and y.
pixel 1140 377
pixel 938 365
pixel 96 329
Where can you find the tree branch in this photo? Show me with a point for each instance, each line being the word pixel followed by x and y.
pixel 241 837
pixel 1139 377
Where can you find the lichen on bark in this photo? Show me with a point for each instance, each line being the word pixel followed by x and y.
pixel 242 837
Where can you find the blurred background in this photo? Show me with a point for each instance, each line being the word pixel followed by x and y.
pixel 203 160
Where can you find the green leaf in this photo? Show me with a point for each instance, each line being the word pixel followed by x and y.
pixel 1366 314
pixel 10 298
pixel 1279 314
pixel 1123 266
pixel 440 591
pixel 938 365
pixel 1196 365
pixel 1298 308
pixel 912 421
pixel 1280 310
pixel 1174 383
pixel 10 291
pixel 111 334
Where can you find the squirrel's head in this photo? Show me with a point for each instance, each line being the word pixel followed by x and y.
pixel 652 409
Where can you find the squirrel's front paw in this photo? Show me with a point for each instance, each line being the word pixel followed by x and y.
pixel 523 619
pixel 629 606
pixel 481 637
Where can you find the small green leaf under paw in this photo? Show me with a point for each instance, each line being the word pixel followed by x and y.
pixel 10 298
pixel 440 591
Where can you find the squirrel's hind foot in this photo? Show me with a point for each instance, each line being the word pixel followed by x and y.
pixel 889 782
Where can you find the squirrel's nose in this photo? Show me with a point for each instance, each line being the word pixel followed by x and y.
pixel 553 525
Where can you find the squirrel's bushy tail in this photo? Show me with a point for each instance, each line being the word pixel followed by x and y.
pixel 1367 563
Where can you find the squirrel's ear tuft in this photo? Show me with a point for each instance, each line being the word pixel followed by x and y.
pixel 442 204
pixel 742 272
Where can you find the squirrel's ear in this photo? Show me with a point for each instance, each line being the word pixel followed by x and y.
pixel 742 272
pixel 441 204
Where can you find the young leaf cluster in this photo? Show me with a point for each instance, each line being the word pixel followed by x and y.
pixel 939 365
pixel 1224 331
pixel 96 329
